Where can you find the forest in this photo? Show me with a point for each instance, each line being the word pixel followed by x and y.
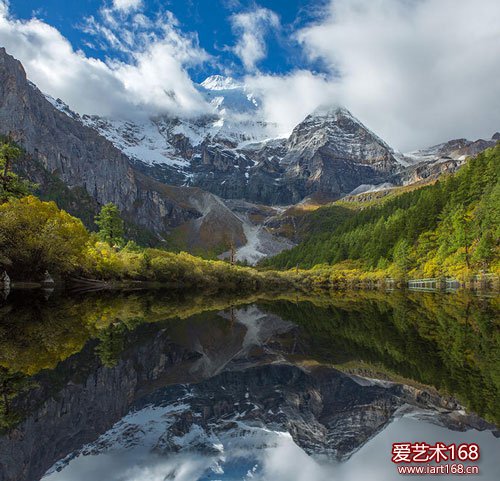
pixel 449 228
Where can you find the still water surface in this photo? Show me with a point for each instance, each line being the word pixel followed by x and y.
pixel 152 386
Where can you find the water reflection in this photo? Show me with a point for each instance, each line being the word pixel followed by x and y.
pixel 73 366
pixel 281 460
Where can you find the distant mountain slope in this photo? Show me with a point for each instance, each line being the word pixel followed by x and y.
pixel 329 152
pixel 82 159
pixel 448 227
pixel 234 153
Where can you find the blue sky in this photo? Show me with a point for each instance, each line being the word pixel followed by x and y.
pixel 416 72
pixel 210 20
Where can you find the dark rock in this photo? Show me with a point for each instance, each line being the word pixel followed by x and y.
pixel 47 280
pixel 81 157
pixel 4 280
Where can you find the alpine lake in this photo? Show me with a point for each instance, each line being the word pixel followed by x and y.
pixel 152 385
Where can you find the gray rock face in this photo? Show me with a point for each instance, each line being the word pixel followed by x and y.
pixel 81 157
pixel 440 159
pixel 4 280
pixel 330 153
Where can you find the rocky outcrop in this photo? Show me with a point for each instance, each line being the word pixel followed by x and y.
pixel 82 158
pixel 330 153
pixel 429 164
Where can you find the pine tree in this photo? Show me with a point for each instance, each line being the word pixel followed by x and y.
pixel 11 186
pixel 401 256
pixel 111 228
pixel 462 223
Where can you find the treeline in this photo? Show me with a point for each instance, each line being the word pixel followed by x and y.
pixel 449 228
pixel 38 237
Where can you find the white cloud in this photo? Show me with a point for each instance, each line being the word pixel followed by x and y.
pixel 251 27
pixel 127 5
pixel 287 100
pixel 152 80
pixel 417 72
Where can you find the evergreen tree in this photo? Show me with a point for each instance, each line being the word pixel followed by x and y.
pixel 450 227
pixel 402 257
pixel 485 250
pixel 11 186
pixel 462 224
pixel 111 228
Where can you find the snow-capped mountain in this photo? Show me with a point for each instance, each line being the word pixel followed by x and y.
pixel 227 93
pixel 171 141
pixel 234 153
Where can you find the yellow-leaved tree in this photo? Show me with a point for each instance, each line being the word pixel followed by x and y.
pixel 36 236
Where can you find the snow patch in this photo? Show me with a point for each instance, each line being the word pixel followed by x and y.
pixel 219 82
pixel 365 188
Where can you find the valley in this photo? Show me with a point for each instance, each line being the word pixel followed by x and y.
pixel 176 180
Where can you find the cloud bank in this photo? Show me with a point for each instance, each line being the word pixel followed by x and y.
pixel 152 78
pixel 417 72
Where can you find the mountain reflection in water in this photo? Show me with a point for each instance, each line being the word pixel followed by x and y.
pixel 224 388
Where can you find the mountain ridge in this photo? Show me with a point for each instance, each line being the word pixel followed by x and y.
pixel 164 172
pixel 236 154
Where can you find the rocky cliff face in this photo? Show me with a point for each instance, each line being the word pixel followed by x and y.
pixel 78 155
pixel 445 158
pixel 82 158
pixel 330 153
pixel 231 155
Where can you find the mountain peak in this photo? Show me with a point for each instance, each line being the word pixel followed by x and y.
pixel 330 111
pixel 219 82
